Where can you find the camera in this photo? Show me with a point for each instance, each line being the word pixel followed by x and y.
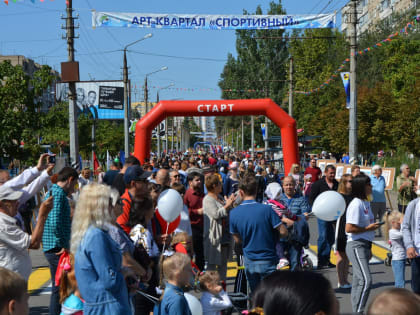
pixel 51 159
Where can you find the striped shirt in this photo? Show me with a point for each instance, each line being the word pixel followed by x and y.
pixel 297 205
pixel 57 228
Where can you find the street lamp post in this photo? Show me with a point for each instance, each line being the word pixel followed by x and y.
pixel 126 96
pixel 146 93
pixel 146 97
pixel 166 119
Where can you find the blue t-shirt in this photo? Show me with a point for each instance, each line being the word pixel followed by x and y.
pixel 378 188
pixel 173 302
pixel 255 224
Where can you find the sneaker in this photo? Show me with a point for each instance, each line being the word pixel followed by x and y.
pixel 282 263
pixel 344 286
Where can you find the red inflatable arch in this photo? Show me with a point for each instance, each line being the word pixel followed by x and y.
pixel 246 107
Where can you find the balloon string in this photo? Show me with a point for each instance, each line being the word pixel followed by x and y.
pixel 164 243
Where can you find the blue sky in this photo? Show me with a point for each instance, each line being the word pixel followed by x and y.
pixel 34 30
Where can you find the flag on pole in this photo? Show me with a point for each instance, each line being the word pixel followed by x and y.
pixel 95 162
pixel 122 157
pixel 108 160
pixel 345 76
pixel 80 163
pixel 263 129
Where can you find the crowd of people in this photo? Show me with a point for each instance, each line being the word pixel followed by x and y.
pixel 109 250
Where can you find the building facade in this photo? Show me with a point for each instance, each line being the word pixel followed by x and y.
pixel 370 12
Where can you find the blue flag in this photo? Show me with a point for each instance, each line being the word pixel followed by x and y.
pixel 122 157
pixel 345 76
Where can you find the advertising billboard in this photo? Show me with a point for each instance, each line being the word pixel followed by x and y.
pixel 100 99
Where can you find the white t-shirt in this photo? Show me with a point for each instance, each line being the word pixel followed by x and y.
pixel 417 231
pixel 397 244
pixel 360 214
pixel 213 305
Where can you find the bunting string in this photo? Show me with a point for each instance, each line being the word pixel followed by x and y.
pixel 32 1
pixel 403 31
pixel 138 88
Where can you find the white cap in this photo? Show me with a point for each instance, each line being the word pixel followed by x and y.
pixel 7 193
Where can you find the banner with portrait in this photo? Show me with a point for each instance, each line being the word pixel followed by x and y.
pixel 98 99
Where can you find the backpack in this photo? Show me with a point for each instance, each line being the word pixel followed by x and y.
pixel 260 186
pixel 299 232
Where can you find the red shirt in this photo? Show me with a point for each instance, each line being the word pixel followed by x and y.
pixel 315 172
pixel 212 161
pixel 194 201
pixel 122 220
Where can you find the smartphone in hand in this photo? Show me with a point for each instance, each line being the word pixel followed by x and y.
pixel 51 159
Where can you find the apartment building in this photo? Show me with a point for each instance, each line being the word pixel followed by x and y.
pixel 370 12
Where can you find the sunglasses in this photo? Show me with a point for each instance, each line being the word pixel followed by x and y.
pixel 176 176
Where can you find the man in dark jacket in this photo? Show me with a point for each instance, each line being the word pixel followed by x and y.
pixel 325 228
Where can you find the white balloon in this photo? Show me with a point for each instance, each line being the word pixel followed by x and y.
pixel 329 206
pixel 194 304
pixel 170 205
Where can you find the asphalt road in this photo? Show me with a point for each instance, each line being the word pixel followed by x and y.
pixel 39 283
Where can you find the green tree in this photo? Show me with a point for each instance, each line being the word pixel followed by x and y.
pixel 19 108
pixel 258 70
pixel 55 131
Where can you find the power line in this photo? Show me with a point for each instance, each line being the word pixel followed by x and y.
pixel 30 40
pixel 45 54
pixel 326 6
pixel 179 57
pixel 316 5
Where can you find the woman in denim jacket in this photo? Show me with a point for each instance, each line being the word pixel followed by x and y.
pixel 97 256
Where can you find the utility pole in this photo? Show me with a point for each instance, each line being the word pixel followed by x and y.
pixel 158 127
pixel 291 87
pixel 93 141
pixel 237 140
pixel 74 137
pixel 126 105
pixel 146 95
pixel 173 127
pixel 242 127
pixel 266 131
pixel 353 89
pixel 252 137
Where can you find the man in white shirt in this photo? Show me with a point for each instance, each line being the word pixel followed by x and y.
pixel 30 181
pixel 14 242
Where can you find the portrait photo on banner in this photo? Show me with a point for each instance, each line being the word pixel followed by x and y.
pixel 389 174
pixel 363 169
pixel 323 163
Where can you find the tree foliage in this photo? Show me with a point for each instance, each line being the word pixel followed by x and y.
pixel 258 70
pixel 20 110
pixel 387 83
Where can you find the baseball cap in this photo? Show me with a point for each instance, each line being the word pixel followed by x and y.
pixel 8 193
pixel 135 173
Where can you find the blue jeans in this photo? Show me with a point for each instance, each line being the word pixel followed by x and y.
pixel 294 255
pixel 415 275
pixel 398 268
pixel 325 241
pixel 55 306
pixel 256 270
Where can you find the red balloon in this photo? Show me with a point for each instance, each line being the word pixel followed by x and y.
pixel 164 225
